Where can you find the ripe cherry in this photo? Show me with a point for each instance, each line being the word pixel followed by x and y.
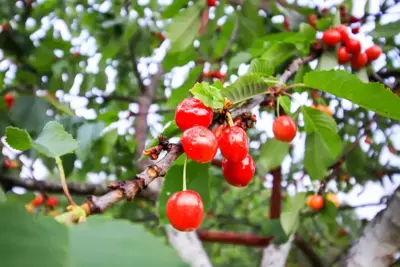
pixel 52 202
pixel 353 46
pixel 284 128
pixel 218 131
pixel 359 60
pixel 234 144
pixel 7 163
pixel 199 144
pixel 185 210
pixel 239 173
pixel 312 19
pixel 209 74
pixel 5 26
pixel 331 37
pixel 315 202
pixel 211 3
pixel 344 35
pixel 192 112
pixel 355 30
pixel 342 55
pixel 367 140
pixel 37 201
pixel 373 52
pixel 9 100
pixel 219 75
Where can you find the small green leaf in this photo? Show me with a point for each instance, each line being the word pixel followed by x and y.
pixel 3 197
pixel 272 153
pixel 317 157
pixel 262 67
pixel 279 52
pixel 285 102
pixel 87 134
pixel 328 60
pixel 386 30
pixel 18 139
pixel 211 96
pixel 54 141
pixel 239 58
pixel 172 9
pixel 346 85
pixel 290 218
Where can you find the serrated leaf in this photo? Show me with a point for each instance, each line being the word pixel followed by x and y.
pixel 324 125
pixel 248 86
pixel 18 139
pixel 327 61
pixel 346 85
pixel 210 96
pixel 386 30
pixel 262 67
pixel 317 157
pixel 272 153
pixel 54 141
pixel 285 102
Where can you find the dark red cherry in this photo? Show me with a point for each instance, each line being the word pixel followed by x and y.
pixel 192 112
pixel 239 173
pixel 199 144
pixel 234 144
pixel 353 46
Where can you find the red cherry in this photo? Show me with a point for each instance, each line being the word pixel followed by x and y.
pixel 331 37
pixel 344 35
pixel 9 99
pixel 315 202
pixel 239 173
pixel 373 52
pixel 354 19
pixel 355 30
pixel 358 61
pixel 211 3
pixel 5 26
pixel 353 46
pixel 367 140
pixel 312 19
pixel 185 210
pixel 219 75
pixel 52 202
pixel 7 163
pixel 192 112
pixel 284 128
pixel 324 10
pixel 199 144
pixel 234 144
pixel 343 55
pixel 218 131
pixel 37 201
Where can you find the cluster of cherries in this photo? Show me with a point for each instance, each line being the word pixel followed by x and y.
pixel 9 100
pixel 51 202
pixel 214 74
pixel 351 48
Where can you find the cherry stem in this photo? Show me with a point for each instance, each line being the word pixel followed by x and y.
pixel 63 181
pixel 295 85
pixel 277 107
pixel 229 119
pixel 184 174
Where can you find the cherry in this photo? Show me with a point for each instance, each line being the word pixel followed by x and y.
pixel 312 19
pixel 286 24
pixel 354 19
pixel 7 163
pixel 9 99
pixel 234 144
pixel 185 210
pixel 219 75
pixel 284 128
pixel 344 35
pixel 199 144
pixel 52 202
pixel 324 10
pixel 331 37
pixel 160 35
pixel 315 202
pixel 342 232
pixel 358 61
pixel 211 3
pixel 239 173
pixel 192 112
pixel 373 52
pixel 353 46
pixel 209 74
pixel 5 26
pixel 368 140
pixel 37 201
pixel 355 30
pixel 323 108
pixel 218 131
pixel 342 55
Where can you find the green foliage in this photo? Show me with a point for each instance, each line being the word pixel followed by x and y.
pixel 285 103
pixel 208 94
pixel 18 139
pixel 290 217
pixel 261 67
pixel 272 154
pixel 328 60
pixel 386 30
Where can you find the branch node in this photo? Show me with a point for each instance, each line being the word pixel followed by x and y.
pixel 153 171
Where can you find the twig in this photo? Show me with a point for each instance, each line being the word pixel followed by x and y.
pixel 233 238
pixel 64 181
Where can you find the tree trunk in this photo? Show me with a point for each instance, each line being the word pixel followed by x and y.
pixel 276 255
pixel 380 239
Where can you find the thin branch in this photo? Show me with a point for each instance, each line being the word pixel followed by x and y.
pixel 308 251
pixel 233 238
pixel 275 203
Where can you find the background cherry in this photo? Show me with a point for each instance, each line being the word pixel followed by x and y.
pixel 331 37
pixel 343 55
pixel 9 99
pixel 52 202
pixel 284 128
pixel 191 112
pixel 185 210
pixel 239 173
pixel 234 143
pixel 38 200
pixel 344 35
pixel 211 3
pixel 353 46
pixel 199 144
pixel 358 61
pixel 373 52
pixel 315 202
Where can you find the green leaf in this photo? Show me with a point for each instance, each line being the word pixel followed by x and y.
pixel 248 86
pixel 3 197
pixel 29 240
pixel 386 30
pixel 226 34
pixel 279 52
pixel 272 154
pixel 290 218
pixel 86 135
pixel 239 58
pixel 101 242
pixel 357 163
pixel 210 96
pixel 328 60
pixel 54 141
pixel 130 30
pixel 346 85
pixel 184 28
pixel 60 106
pixel 324 125
pixel 261 67
pixel 285 102
pixel 274 228
pixel 198 179
pixel 18 139
pixel 317 157
pixel 172 9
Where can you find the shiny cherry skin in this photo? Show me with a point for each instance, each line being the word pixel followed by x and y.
pixel 192 112
pixel 199 144
pixel 52 202
pixel 331 37
pixel 353 46
pixel 234 143
pixel 358 61
pixel 344 35
pixel 37 201
pixel 239 173
pixel 315 202
pixel 342 55
pixel 185 210
pixel 373 52
pixel 355 30
pixel 211 3
pixel 284 128
pixel 9 99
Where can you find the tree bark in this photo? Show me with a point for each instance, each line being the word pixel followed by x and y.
pixel 380 239
pixel 276 255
